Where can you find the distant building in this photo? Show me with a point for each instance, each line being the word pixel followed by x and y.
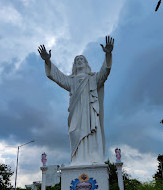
pixel 34 186
pixel 52 177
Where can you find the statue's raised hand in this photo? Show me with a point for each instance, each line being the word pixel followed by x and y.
pixel 43 53
pixel 109 45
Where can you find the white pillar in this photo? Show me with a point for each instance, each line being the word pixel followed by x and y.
pixel 120 175
pixel 43 185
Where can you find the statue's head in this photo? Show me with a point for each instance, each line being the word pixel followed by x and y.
pixel 80 62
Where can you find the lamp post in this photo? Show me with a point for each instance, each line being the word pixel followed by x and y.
pixel 18 159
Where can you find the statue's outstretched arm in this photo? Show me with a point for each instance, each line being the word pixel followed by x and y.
pixel 52 71
pixel 106 67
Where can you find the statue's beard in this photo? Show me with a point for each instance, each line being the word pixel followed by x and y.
pixel 81 68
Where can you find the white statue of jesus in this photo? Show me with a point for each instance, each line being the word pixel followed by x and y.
pixel 85 121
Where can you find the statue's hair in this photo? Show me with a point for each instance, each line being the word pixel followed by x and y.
pixel 117 149
pixel 74 71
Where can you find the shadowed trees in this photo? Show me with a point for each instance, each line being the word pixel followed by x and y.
pixel 5 174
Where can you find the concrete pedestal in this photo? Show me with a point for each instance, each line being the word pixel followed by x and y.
pixel 85 177
pixel 120 175
pixel 43 185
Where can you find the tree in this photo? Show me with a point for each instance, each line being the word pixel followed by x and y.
pixel 129 184
pixel 158 174
pixel 158 177
pixel 5 174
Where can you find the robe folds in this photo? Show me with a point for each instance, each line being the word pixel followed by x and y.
pixel 85 121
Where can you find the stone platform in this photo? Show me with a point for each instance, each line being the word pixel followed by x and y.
pixel 85 177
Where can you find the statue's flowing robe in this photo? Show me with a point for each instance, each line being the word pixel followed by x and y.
pixel 85 121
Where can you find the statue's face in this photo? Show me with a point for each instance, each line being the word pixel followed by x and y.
pixel 80 62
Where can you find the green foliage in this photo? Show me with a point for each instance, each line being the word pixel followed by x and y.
pixel 39 187
pixel 113 180
pixel 56 187
pixel 159 184
pixel 5 174
pixel 153 185
pixel 131 184
pixel 114 186
pixel 112 172
pixel 147 186
pixel 28 188
pixel 158 174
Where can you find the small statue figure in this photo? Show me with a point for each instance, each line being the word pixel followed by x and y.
pixel 43 159
pixel 118 154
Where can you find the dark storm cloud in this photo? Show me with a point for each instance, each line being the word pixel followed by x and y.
pixel 136 83
pixel 32 107
pixel 134 90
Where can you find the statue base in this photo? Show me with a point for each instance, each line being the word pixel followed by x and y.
pixel 86 177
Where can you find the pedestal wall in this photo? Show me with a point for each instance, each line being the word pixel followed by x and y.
pixel 85 177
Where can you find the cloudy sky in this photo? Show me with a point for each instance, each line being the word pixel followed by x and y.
pixel 33 107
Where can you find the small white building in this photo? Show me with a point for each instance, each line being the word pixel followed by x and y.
pixel 52 177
